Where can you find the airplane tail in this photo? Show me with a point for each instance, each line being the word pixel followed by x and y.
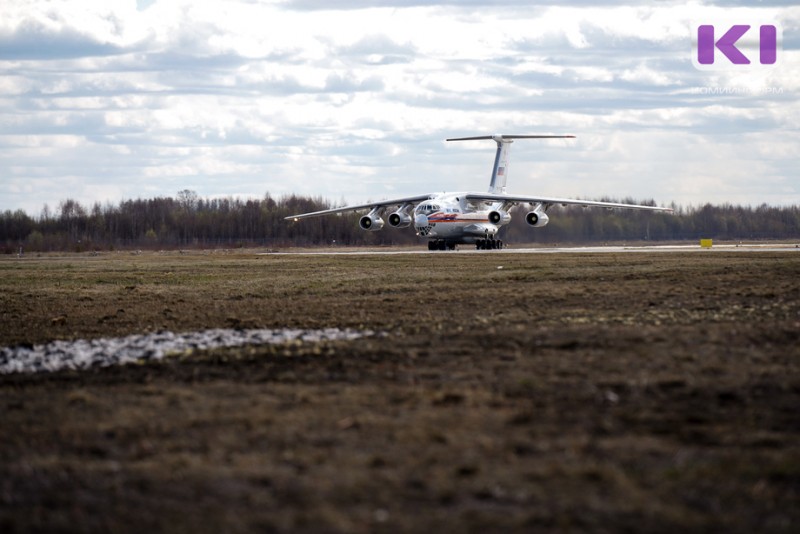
pixel 497 185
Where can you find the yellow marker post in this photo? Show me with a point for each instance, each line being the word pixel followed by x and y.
pixel 706 243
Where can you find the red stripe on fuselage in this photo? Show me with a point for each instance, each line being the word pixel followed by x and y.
pixel 453 217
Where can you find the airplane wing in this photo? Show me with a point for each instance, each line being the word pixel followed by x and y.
pixel 493 197
pixel 358 207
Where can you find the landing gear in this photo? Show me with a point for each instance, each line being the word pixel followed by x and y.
pixel 489 244
pixel 441 244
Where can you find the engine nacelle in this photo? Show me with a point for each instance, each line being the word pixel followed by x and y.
pixel 400 219
pixel 371 222
pixel 537 218
pixel 499 217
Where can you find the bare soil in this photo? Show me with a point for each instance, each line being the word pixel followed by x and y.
pixel 526 392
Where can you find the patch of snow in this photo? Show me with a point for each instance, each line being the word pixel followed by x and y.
pixel 104 352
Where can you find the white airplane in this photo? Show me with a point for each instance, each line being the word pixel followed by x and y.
pixel 449 219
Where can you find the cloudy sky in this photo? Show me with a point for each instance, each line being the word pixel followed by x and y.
pixel 351 100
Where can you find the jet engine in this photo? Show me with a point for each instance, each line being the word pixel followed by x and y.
pixel 537 218
pixel 499 217
pixel 399 219
pixel 371 222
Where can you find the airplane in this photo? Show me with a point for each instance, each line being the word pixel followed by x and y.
pixel 471 218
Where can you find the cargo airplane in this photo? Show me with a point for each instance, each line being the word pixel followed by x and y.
pixel 449 219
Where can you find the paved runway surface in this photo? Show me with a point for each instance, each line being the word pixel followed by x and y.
pixel 466 249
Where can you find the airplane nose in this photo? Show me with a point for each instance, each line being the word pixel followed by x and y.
pixel 421 220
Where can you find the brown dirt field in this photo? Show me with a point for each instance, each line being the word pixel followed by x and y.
pixel 568 392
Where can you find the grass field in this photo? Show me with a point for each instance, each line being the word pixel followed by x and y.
pixel 574 392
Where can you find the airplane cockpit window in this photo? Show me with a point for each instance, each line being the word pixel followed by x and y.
pixel 427 209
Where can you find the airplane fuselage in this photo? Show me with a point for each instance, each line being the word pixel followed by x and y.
pixel 451 219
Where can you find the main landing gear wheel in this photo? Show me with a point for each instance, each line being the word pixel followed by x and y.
pixel 489 244
pixel 441 244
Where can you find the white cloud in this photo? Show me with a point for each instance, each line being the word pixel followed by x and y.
pixel 645 75
pixel 122 99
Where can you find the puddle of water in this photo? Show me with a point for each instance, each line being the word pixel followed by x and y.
pixel 104 352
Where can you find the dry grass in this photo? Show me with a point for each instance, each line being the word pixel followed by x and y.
pixel 562 392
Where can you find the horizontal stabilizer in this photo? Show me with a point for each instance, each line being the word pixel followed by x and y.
pixel 501 137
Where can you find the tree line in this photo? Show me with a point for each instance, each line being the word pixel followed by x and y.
pixel 188 221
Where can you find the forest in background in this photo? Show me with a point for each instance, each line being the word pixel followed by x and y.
pixel 188 221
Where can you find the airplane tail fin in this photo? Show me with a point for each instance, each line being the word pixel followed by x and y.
pixel 497 185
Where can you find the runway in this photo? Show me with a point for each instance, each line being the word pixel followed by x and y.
pixel 617 249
